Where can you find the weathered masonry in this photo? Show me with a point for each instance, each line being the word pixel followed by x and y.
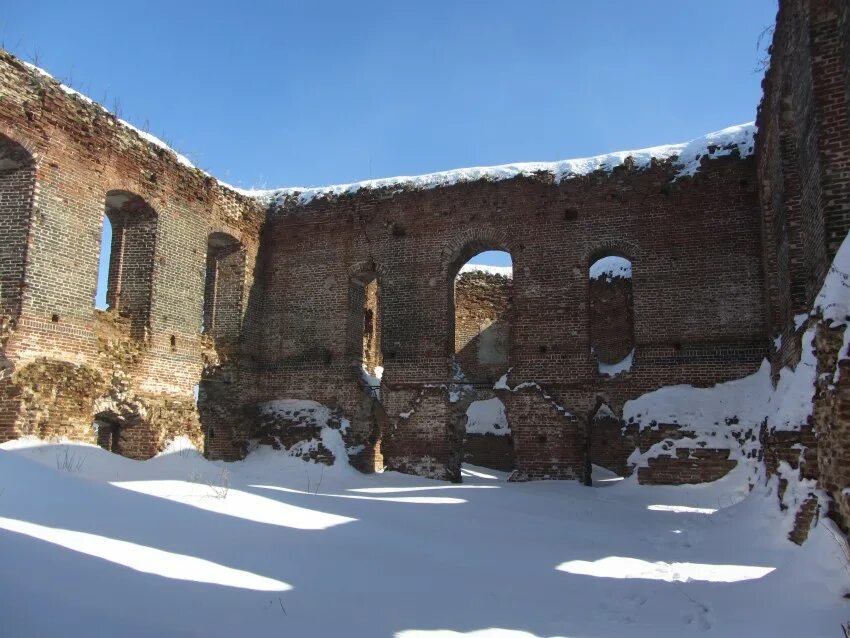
pixel 220 302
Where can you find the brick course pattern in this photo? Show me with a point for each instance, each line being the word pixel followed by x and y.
pixel 803 163
pixel 65 165
pixel 216 294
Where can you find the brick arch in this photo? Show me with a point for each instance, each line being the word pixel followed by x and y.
pixel 482 350
pixel 359 268
pixel 18 187
pixel 132 257
pixel 613 247
pixel 457 251
pixel 114 181
pixel 14 135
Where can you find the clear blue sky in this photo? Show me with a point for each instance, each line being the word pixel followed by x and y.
pixel 285 93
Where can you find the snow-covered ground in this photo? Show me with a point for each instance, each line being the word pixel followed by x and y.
pixel 93 544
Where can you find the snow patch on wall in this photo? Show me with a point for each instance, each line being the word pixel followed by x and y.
pixel 301 412
pixel 833 300
pixel 744 400
pixel 487 417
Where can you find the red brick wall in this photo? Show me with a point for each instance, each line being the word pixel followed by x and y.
pixel 697 293
pixel 17 189
pixel 803 158
pixel 611 318
pixel 82 154
pixel 483 311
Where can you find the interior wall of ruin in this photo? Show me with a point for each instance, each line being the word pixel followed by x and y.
pixel 63 361
pixel 306 292
pixel 803 160
pixel 698 316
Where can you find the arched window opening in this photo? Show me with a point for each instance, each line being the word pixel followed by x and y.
pixel 100 301
pixel 364 328
pixel 17 188
pixel 481 310
pixel 130 262
pixel 611 314
pixel 480 318
pixel 108 429
pixel 223 288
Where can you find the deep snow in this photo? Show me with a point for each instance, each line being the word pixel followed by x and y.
pixel 98 545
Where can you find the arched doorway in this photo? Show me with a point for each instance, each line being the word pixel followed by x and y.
pixel 481 312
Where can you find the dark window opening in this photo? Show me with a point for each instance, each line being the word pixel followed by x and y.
pixel 224 286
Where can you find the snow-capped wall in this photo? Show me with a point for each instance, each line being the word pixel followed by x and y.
pixel 687 157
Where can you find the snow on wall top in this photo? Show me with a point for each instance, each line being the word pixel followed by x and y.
pixel 181 159
pixel 739 138
pixel 502 271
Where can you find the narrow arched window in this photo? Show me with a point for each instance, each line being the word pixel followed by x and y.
pixel 611 314
pixel 224 287
pixel 17 186
pixel 481 312
pixel 127 267
pixel 364 327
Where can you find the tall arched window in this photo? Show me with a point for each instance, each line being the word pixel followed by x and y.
pixel 364 326
pixel 224 286
pixel 17 187
pixel 480 317
pixel 130 260
pixel 480 313
pixel 611 314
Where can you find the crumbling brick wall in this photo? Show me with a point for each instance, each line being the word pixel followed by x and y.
pixel 58 371
pixel 482 323
pixel 698 315
pixel 803 159
pixel 704 295
pixel 611 318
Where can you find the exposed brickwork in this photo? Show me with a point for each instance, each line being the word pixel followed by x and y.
pixel 803 158
pixel 831 420
pixel 483 308
pixel 65 164
pixel 295 298
pixel 611 318
pixel 17 190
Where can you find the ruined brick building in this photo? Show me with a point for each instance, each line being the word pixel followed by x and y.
pixel 221 302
